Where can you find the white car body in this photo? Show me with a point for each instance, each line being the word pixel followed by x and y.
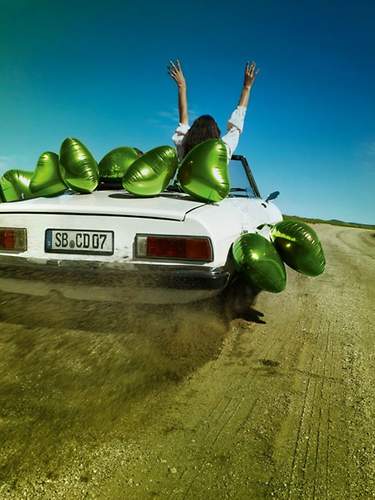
pixel 37 270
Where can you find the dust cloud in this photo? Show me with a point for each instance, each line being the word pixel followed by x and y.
pixel 74 368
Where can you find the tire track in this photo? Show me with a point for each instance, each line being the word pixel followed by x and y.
pixel 317 396
pixel 254 382
pixel 297 472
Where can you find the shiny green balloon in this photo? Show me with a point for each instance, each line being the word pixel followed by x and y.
pixel 15 185
pixel 115 164
pixel 204 171
pixel 258 261
pixel 299 247
pixel 79 169
pixel 151 173
pixel 47 180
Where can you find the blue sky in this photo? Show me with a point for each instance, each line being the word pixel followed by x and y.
pixel 97 71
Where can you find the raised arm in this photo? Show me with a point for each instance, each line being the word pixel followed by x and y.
pixel 237 118
pixel 249 77
pixel 175 71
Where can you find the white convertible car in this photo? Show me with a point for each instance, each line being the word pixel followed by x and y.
pixel 110 245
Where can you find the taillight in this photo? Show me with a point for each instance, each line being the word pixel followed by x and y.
pixel 174 247
pixel 13 239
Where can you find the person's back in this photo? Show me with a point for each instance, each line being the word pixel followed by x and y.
pixel 205 127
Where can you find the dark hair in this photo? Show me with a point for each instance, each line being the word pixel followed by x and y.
pixel 202 129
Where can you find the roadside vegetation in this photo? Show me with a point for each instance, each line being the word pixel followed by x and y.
pixel 334 222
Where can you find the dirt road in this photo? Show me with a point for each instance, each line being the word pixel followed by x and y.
pixel 129 402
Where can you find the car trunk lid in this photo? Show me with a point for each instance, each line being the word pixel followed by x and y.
pixel 168 206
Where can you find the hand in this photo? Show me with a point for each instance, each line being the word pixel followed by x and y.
pixel 175 72
pixel 250 73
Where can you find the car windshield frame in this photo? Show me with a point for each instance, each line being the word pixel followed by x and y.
pixel 235 192
pixel 253 190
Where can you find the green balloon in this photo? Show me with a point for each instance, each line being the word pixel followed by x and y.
pixel 15 185
pixel 151 173
pixel 79 169
pixel 299 247
pixel 47 180
pixel 256 258
pixel 204 171
pixel 115 164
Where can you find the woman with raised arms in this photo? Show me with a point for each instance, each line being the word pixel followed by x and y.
pixel 205 127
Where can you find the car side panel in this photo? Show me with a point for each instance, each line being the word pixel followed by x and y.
pixel 227 220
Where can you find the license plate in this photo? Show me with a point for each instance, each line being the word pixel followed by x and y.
pixel 80 241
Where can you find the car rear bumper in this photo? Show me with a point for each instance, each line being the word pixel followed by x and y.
pixel 114 282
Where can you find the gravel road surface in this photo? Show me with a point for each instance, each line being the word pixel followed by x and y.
pixel 112 401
